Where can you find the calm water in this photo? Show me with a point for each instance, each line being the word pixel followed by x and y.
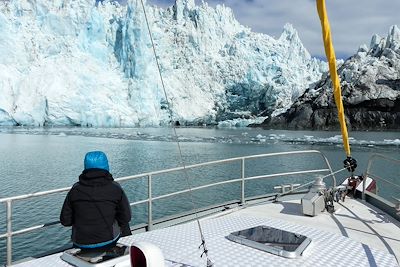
pixel 35 160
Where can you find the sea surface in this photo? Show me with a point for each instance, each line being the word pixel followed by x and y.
pixel 34 160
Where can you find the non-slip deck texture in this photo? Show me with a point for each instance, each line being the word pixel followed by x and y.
pixel 180 246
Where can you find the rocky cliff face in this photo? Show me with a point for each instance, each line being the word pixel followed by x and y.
pixel 370 83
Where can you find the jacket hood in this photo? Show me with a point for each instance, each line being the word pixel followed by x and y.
pixel 95 177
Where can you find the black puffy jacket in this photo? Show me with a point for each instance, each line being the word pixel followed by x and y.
pixel 97 209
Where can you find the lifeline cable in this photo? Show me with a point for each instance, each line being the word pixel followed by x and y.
pixel 203 242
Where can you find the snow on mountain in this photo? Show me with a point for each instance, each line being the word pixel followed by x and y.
pixel 370 82
pixel 67 62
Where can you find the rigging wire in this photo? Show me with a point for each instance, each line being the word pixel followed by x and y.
pixel 329 50
pixel 203 242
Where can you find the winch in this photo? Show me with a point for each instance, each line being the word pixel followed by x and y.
pixel 313 203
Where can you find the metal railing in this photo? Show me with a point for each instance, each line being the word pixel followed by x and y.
pixel 369 173
pixel 242 160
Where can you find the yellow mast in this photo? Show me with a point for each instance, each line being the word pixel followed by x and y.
pixel 330 55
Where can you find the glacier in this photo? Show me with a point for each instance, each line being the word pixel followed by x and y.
pixel 79 63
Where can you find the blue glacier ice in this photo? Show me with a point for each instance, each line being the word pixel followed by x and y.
pixel 68 62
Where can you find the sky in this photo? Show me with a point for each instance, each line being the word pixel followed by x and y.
pixel 352 22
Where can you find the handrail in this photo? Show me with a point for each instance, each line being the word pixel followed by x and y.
pixel 368 172
pixel 126 178
pixel 38 194
pixel 376 177
pixel 8 201
pixel 239 180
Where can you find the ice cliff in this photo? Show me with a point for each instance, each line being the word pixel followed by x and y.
pixel 65 62
pixel 370 83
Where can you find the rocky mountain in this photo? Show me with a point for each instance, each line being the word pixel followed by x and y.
pixel 370 83
pixel 75 62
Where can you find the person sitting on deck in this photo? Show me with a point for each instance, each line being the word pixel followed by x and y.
pixel 96 207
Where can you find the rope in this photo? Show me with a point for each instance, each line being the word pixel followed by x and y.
pixel 203 242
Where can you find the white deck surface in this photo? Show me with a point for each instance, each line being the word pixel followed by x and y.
pixel 356 235
pixel 355 219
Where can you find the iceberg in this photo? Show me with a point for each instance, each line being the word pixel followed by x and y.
pixel 84 63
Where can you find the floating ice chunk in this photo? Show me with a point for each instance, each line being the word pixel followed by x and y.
pixel 260 136
pixel 239 122
pixel 392 142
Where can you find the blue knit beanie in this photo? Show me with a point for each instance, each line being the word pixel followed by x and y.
pixel 96 160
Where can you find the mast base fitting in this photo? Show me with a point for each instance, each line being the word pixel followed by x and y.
pixel 350 164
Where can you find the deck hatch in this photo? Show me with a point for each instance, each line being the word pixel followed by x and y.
pixel 96 258
pixel 272 240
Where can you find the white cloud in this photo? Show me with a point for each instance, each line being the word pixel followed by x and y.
pixel 353 22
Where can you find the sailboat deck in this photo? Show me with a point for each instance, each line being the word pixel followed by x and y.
pixel 357 234
pixel 353 219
